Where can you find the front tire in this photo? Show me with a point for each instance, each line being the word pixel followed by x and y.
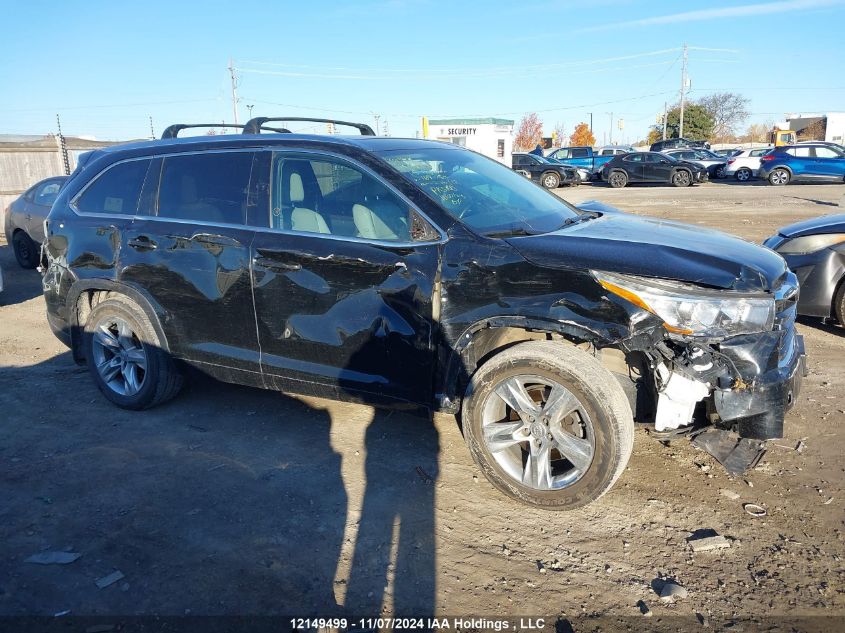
pixel 779 177
pixel 682 178
pixel 743 175
pixel 125 356
pixel 548 425
pixel 617 179
pixel 839 303
pixel 26 250
pixel 550 180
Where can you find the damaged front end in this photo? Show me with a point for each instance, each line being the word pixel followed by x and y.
pixel 727 358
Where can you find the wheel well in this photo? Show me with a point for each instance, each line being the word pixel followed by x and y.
pixel 87 300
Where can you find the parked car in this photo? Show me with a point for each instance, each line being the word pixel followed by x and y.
pixel 746 164
pixel 614 150
pixel 1 279
pixel 543 171
pixel 584 158
pixel 714 163
pixel 815 251
pixel 652 167
pixel 677 143
pixel 811 163
pixel 727 153
pixel 24 219
pixel 414 272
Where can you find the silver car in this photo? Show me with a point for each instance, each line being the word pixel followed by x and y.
pixel 24 219
pixel 714 163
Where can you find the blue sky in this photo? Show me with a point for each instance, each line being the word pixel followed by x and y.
pixel 106 67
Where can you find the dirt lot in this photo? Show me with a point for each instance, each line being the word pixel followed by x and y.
pixel 230 500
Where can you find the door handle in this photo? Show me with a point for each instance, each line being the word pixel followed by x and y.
pixel 142 243
pixel 272 264
pixel 215 240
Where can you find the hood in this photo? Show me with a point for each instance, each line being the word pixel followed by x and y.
pixel 636 245
pixel 696 165
pixel 824 224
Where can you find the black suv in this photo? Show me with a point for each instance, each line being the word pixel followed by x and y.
pixel 677 143
pixel 542 170
pixel 411 272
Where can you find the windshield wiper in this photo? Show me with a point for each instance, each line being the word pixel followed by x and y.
pixel 582 216
pixel 514 232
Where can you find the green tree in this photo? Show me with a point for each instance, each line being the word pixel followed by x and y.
pixel 698 123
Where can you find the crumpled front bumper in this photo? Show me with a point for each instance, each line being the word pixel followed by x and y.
pixel 771 366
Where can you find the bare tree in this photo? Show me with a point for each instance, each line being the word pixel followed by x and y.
pixel 728 109
pixel 559 134
pixel 529 134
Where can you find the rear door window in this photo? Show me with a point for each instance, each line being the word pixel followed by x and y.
pixel 579 152
pixel 208 187
pixel 115 191
pixel 799 152
pixel 47 193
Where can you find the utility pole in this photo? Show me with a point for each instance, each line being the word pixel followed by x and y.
pixel 665 118
pixel 591 122
pixel 610 140
pixel 152 131
pixel 376 117
pixel 63 147
pixel 234 90
pixel 249 110
pixel 683 92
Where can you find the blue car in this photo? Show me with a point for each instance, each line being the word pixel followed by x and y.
pixel 822 162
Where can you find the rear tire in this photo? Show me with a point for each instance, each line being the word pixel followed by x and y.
pixel 779 177
pixel 125 356
pixel 550 180
pixel 743 175
pixel 577 413
pixel 27 252
pixel 681 178
pixel 617 179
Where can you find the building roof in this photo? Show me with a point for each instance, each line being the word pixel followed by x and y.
pixel 482 121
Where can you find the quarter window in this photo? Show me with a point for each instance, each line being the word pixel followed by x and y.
pixel 206 187
pixel 827 152
pixel 47 193
pixel 330 197
pixel 116 190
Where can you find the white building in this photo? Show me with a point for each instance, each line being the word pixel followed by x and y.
pixel 832 124
pixel 491 137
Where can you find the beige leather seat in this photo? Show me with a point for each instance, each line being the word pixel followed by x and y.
pixel 301 218
pixel 369 225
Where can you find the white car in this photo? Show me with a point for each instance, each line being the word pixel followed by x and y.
pixel 744 166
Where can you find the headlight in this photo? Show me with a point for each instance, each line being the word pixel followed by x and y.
pixel 692 310
pixel 810 243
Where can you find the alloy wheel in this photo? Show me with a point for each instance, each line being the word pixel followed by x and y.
pixel 682 178
pixel 538 432
pixel 743 175
pixel 119 356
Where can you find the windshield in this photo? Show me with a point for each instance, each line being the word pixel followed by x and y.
pixel 483 194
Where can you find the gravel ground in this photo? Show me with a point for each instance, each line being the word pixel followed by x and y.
pixel 230 500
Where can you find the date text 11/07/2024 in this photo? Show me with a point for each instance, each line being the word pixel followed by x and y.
pixel 422 624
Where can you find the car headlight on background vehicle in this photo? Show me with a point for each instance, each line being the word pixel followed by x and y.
pixel 809 243
pixel 693 310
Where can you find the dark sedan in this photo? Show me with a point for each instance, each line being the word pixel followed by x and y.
pixel 652 167
pixel 815 251
pixel 542 170
pixel 24 219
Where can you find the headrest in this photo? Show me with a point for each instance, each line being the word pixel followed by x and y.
pixel 297 191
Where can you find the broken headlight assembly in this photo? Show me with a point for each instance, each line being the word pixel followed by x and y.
pixel 693 310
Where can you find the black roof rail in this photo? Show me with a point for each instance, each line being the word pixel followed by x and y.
pixel 255 125
pixel 172 131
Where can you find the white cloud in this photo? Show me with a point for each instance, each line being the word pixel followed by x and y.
pixel 760 9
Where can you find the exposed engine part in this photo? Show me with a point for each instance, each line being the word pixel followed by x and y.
pixel 676 399
pixel 736 454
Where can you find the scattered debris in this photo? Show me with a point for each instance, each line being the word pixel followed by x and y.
pixel 53 558
pixel 707 543
pixel 799 447
pixel 112 578
pixel 828 502
pixel 730 494
pixel 754 509
pixel 505 550
pixel 540 567
pixel 749 483
pixel 643 607
pixel 737 454
pixel 672 590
